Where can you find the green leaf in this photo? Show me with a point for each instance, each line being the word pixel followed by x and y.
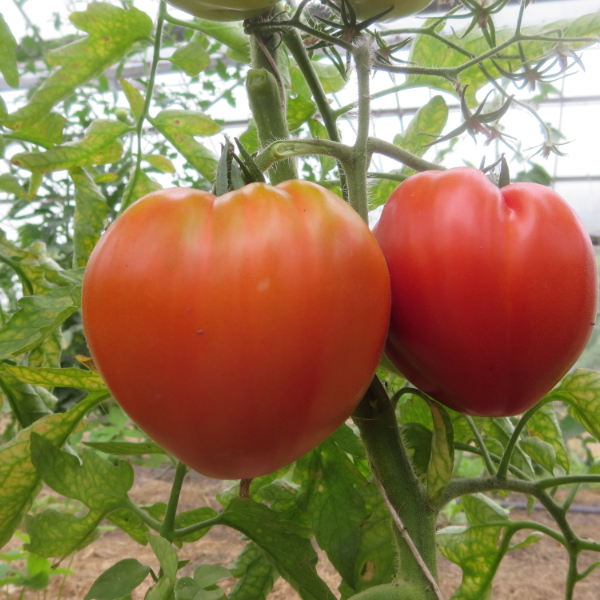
pixel 441 464
pixel 138 186
pixel 319 131
pixel 250 138
pixel 331 79
pixel 37 318
pixel 112 32
pixel 167 557
pixel 544 425
pixel 119 580
pixel 24 400
pixel 8 60
pixel 131 524
pixel 475 548
pixel 11 185
pixel 126 448
pixel 229 34
pixel 430 119
pixel 45 132
pixel 330 490
pixel 98 147
pixel 299 85
pixel 349 442
pixel 256 575
pixel 413 409
pixel 541 452
pixel 418 443
pixel 96 482
pixel 134 97
pixel 19 480
pixel 91 211
pixel 160 162
pixel 180 127
pixel 191 58
pixel 581 391
pixel 299 110
pixel 499 431
pixel 283 543
pixel 192 517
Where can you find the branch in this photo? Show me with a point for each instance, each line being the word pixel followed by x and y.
pixel 401 155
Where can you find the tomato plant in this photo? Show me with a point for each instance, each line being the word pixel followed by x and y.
pixel 227 10
pixel 485 281
pixel 249 326
pixel 239 323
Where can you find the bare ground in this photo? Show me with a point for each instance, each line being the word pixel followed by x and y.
pixel 534 573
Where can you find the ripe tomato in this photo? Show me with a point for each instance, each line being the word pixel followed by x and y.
pixel 365 9
pixel 238 332
pixel 494 291
pixel 224 10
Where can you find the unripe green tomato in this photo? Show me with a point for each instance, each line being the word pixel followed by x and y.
pixel 365 9
pixel 399 590
pixel 225 10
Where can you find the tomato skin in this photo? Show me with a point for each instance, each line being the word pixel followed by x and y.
pixel 365 9
pixel 226 10
pixel 238 332
pixel 494 291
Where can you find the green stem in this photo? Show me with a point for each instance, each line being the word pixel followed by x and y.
pixel 143 515
pixel 294 43
pixel 391 465
pixel 356 168
pixel 168 526
pixel 401 155
pixel 479 441
pixel 181 533
pixel 497 459
pixel 568 480
pixel 514 438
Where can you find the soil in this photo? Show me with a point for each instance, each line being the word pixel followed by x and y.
pixel 537 572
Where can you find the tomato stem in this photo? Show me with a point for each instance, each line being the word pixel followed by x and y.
pixel 168 527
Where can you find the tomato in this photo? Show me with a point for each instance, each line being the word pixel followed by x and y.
pixel 365 9
pixel 225 10
pixel 238 332
pixel 494 291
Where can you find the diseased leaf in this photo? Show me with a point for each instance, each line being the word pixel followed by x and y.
pixel 256 575
pixel 71 377
pixel 162 163
pixel 126 448
pixel 441 464
pixel 112 31
pixel 180 127
pixel 544 425
pixel 134 97
pixel 91 211
pixel 541 452
pixel 581 391
pixel 19 480
pixel 283 542
pixel 299 110
pixel 37 318
pixel 11 185
pixel 98 147
pixel 24 400
pixel 96 482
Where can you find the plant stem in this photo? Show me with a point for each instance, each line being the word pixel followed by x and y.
pixel 514 438
pixel 294 43
pixel 168 526
pixel 143 515
pixel 376 421
pixel 484 451
pixel 356 168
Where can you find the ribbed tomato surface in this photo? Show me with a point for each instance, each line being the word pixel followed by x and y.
pixel 238 332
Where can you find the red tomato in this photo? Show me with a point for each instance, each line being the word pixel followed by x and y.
pixel 494 291
pixel 238 332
